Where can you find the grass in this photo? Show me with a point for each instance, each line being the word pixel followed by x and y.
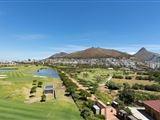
pixel 104 75
pixel 104 97
pixel 57 110
pixel 15 90
pixel 94 73
pixel 131 82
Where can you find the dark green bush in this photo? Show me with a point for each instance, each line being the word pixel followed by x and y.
pixel 113 86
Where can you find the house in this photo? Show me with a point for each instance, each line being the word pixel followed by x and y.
pixel 122 115
pixel 130 117
pixel 152 107
pixel 102 107
pixel 96 109
pixel 114 104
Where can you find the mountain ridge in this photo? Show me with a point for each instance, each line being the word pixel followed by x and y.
pixel 144 55
pixel 93 53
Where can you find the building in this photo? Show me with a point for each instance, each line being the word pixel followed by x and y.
pixel 102 107
pixel 49 89
pixel 130 117
pixel 122 115
pixel 152 107
pixel 96 109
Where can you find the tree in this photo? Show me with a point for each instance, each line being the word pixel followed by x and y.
pixel 126 86
pixel 137 86
pixel 33 89
pixel 90 103
pixel 113 86
pixel 71 90
pixel 29 60
pixel 40 84
pixel 34 82
pixel 85 75
pixel 84 94
pixel 127 96
pixel 85 112
pixel 93 89
pixel 43 98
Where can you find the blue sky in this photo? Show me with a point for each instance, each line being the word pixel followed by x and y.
pixel 37 29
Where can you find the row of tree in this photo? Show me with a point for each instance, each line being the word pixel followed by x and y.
pixel 80 97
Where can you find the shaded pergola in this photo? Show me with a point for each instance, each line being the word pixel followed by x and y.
pixel 49 89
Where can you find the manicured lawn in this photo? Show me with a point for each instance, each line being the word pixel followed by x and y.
pixel 56 110
pixel 15 90
pixel 95 74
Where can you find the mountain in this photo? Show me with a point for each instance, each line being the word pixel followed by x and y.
pixel 144 55
pixel 96 53
pixel 58 55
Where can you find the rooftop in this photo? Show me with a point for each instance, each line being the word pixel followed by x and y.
pixel 48 87
pixel 154 104
pixel 101 104
pixel 96 107
pixel 139 113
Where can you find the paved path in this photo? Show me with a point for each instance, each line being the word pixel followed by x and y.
pixel 111 113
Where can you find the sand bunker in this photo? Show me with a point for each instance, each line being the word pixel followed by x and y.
pixel 3 76
pixel 40 76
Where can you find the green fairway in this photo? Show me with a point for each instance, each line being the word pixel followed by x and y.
pixel 15 90
pixel 97 74
pixel 56 110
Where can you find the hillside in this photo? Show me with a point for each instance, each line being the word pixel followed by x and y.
pixel 94 53
pixel 58 55
pixel 144 55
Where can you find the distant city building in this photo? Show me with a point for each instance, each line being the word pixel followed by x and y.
pixel 108 62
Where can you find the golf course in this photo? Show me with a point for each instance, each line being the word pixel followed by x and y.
pixel 15 86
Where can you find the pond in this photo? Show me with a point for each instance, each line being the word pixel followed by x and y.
pixel 48 73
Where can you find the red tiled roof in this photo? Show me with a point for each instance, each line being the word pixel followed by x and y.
pixel 154 104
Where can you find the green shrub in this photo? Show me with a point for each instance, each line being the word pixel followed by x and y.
pixel 43 98
pixel 40 84
pixel 145 96
pixel 128 77
pixel 137 86
pixel 34 82
pixel 127 96
pixel 118 76
pixel 113 86
pixel 33 89
pixel 86 112
pixel 154 87
pixel 84 94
